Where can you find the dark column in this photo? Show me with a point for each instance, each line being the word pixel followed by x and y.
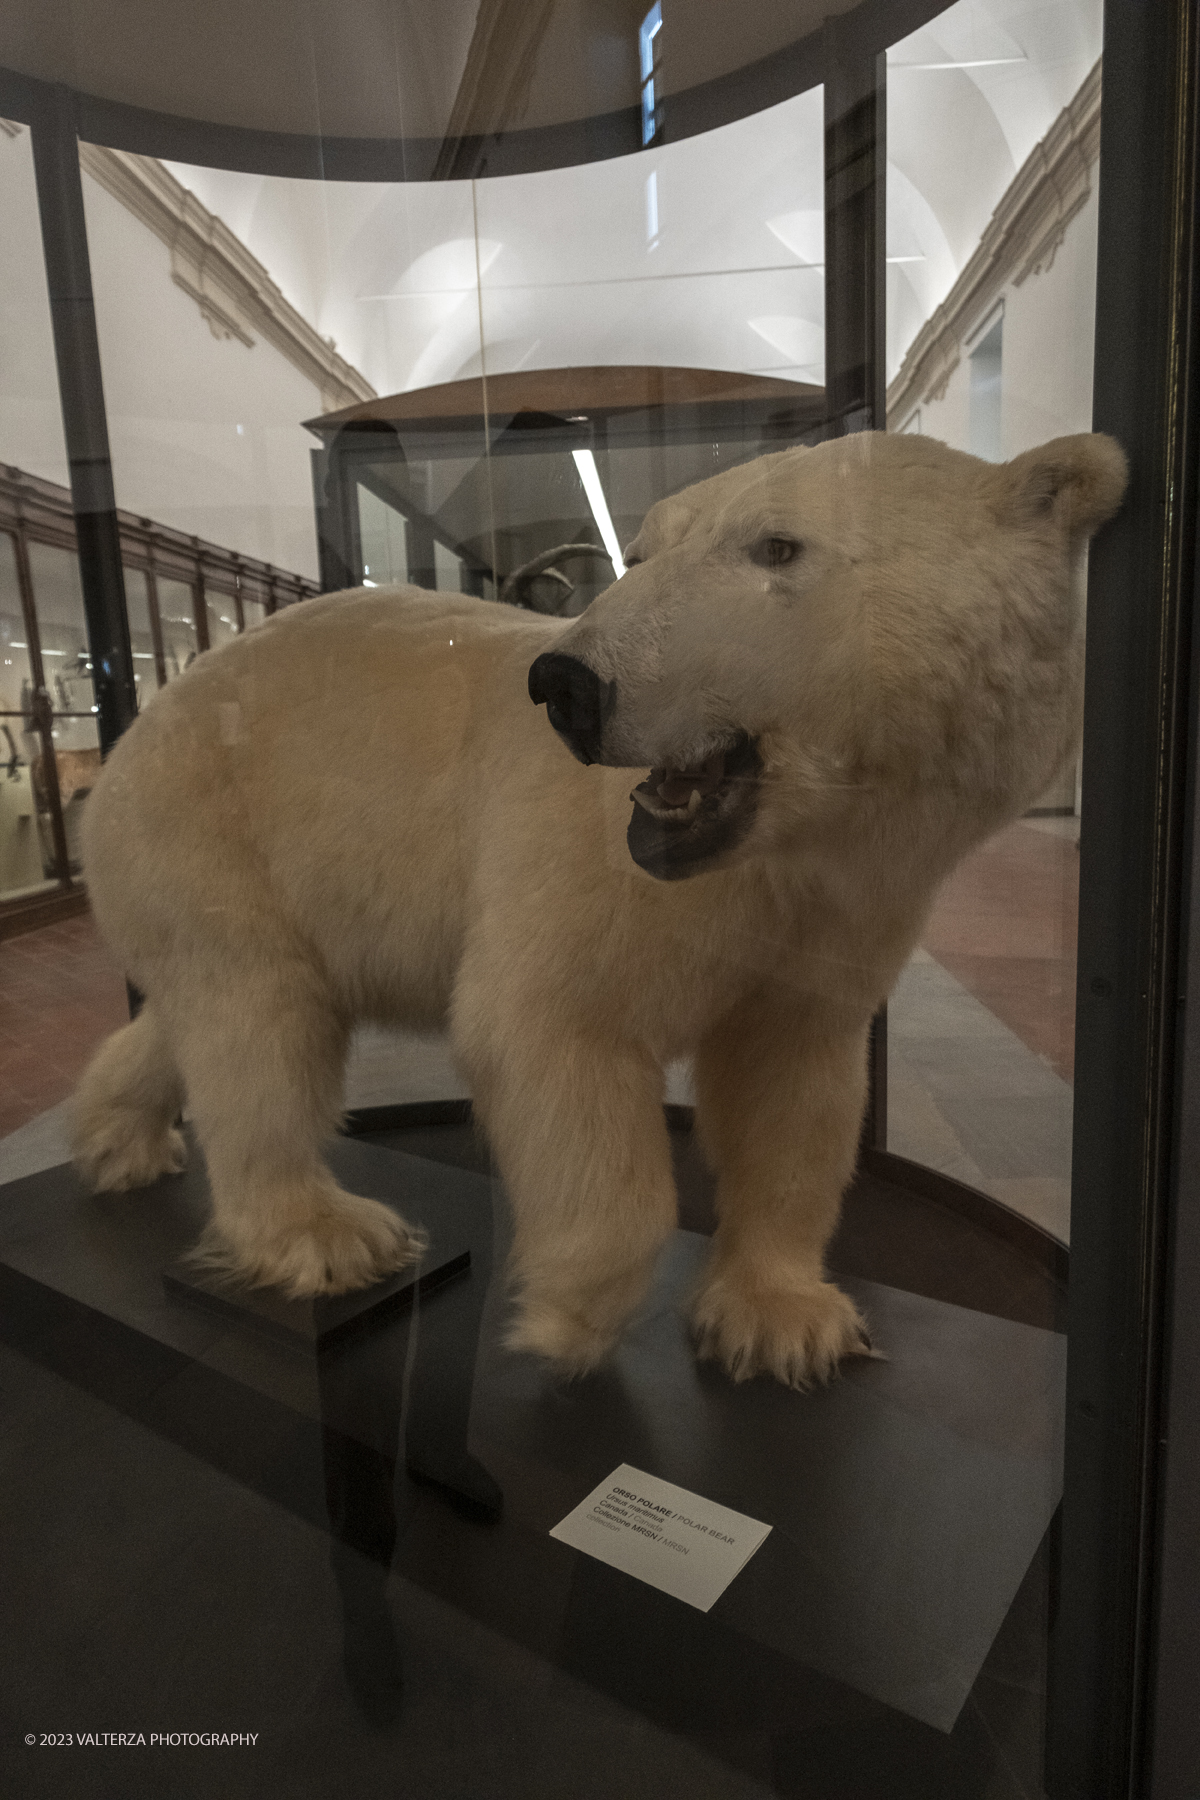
pixel 422 567
pixel 1129 1500
pixel 855 270
pixel 42 712
pixel 1173 1727
pixel 339 547
pixel 81 392
pixel 200 602
pixel 160 654
pixel 855 316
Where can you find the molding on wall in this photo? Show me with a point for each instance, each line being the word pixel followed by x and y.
pixel 233 290
pixel 1021 238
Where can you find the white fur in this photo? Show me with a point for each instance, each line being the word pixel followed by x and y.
pixel 355 813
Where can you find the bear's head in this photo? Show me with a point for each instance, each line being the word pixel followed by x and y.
pixel 875 615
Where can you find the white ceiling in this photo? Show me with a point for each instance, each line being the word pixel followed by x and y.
pixel 705 253
pixel 968 98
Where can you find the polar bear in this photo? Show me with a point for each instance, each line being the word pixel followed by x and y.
pixel 831 672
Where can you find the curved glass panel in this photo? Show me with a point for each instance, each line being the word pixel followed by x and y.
pixel 560 1406
pixel 993 146
pixel 33 850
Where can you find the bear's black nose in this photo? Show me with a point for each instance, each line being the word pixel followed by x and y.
pixel 577 701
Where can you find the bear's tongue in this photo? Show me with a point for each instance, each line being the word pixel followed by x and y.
pixel 675 787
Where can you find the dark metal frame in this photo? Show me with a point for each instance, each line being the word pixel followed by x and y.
pixel 794 69
pixel 81 395
pixel 1125 1642
pixel 1115 1711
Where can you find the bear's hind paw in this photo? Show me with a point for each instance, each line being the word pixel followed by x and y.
pixel 120 1151
pixel 573 1343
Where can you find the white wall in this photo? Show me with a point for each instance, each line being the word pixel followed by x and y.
pixel 1049 332
pixel 969 95
pixel 206 432
pixel 31 433
pixel 176 395
pixel 1046 373
pixel 1046 378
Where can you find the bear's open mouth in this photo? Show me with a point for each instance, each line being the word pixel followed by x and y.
pixel 684 818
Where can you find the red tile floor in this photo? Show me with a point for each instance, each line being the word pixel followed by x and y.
pixel 1004 926
pixel 60 995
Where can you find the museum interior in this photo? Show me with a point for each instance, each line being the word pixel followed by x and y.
pixel 295 299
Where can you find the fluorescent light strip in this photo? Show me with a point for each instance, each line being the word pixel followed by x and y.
pixel 589 474
pixel 981 62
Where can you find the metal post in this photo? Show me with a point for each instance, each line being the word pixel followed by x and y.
pixel 855 318
pixel 1132 992
pixel 42 713
pixel 160 652
pixel 81 394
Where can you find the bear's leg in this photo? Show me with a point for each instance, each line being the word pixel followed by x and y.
pixel 578 1131
pixel 123 1114
pixel 780 1091
pixel 262 1049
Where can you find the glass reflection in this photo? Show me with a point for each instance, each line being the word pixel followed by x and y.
pixel 141 633
pixel 993 143
pixel 513 370
pixel 221 613
pixel 176 610
pixel 21 863
pixel 33 849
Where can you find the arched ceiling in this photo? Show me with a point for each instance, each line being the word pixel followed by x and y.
pixel 707 252
pixel 969 96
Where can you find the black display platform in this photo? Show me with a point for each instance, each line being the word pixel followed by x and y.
pixel 311 1325
pixel 906 1500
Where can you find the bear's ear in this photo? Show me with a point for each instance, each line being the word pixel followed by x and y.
pixel 1081 480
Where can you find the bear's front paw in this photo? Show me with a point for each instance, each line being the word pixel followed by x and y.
pixel 321 1242
pixel 797 1334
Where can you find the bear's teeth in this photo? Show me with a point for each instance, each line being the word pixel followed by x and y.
pixel 645 797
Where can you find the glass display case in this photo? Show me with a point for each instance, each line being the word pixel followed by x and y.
pixel 465 486
pixel 439 313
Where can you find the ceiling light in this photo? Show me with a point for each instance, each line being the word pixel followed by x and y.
pixel 589 474
pixel 982 62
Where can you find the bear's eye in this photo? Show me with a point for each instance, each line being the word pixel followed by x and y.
pixel 775 552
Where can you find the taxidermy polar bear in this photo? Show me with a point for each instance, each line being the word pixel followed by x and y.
pixel 833 671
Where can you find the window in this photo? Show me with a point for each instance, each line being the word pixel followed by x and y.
pixel 649 40
pixel 984 406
